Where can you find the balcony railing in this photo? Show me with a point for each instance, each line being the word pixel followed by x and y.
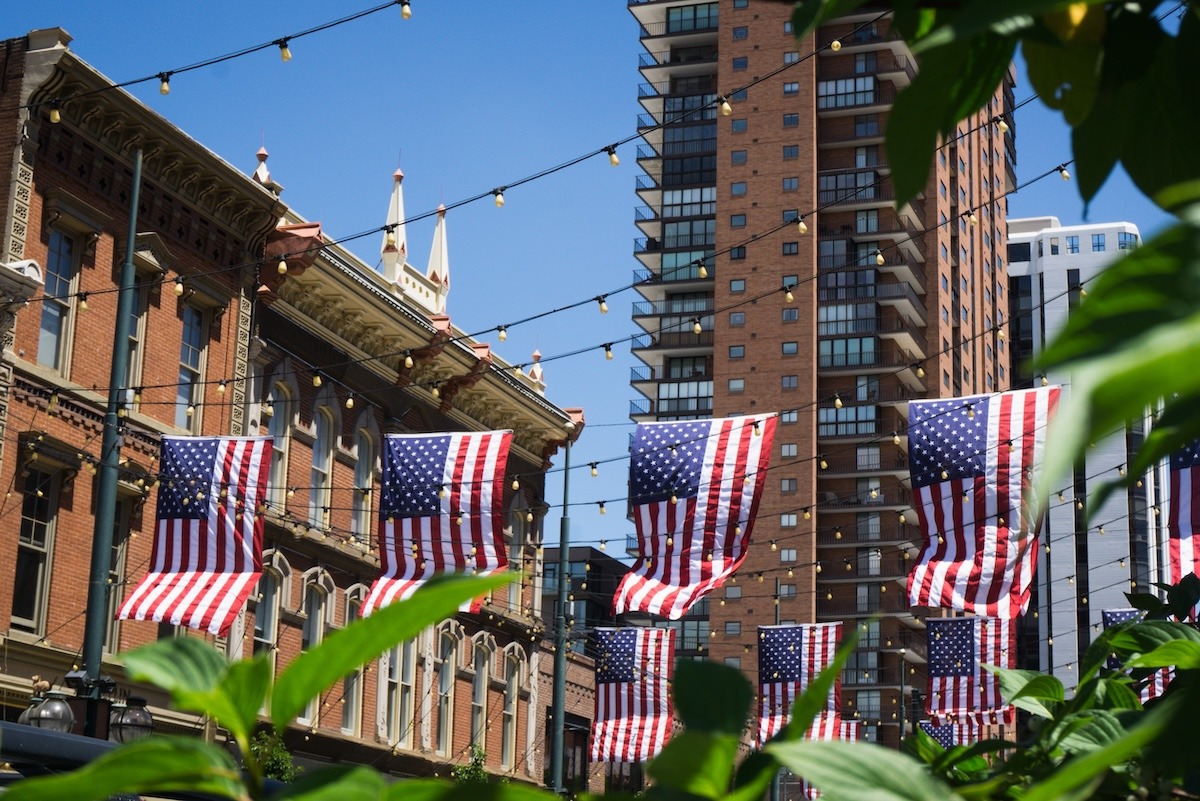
pixel 885 62
pixel 641 372
pixel 644 181
pixel 690 147
pixel 651 244
pixel 660 308
pixel 655 89
pixel 875 463
pixel 880 534
pixel 673 340
pixel 868 359
pixel 873 325
pixel 671 58
pixel 687 272
pixel 891 496
pixel 878 192
pixel 888 291
pixel 880 95
pixel 873 395
pixel 894 601
pixel 674 28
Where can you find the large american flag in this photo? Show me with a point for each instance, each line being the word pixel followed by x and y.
pixel 695 487
pixel 973 461
pixel 207 551
pixel 960 690
pixel 1156 683
pixel 441 510
pixel 1184 517
pixel 634 667
pixel 789 658
pixel 948 735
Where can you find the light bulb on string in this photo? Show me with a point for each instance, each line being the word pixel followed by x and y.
pixel 787 295
pixel 613 159
pixel 220 388
pixel 879 259
pixel 405 9
pixel 595 468
pixel 1000 123
pixel 516 483
pixel 1062 172
pixel 837 401
pixel 608 351
pixel 502 333
pixel 350 401
pixel 282 267
pixel 801 225
pixel 178 286
pixel 701 270
pixel 83 304
pixel 317 380
pixel 55 113
pixel 835 45
pixel 726 109
pixel 602 300
pixel 408 361
pixel 498 194
pixel 164 87
pixel 285 52
pixel 696 327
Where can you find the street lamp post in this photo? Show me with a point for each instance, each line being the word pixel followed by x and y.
pixel 903 700
pixel 559 702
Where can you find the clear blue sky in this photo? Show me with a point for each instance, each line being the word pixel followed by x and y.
pixel 464 97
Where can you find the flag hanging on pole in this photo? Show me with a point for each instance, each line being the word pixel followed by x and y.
pixel 207 552
pixel 948 735
pixel 1156 683
pixel 973 462
pixel 634 667
pixel 695 488
pixel 960 689
pixel 440 510
pixel 789 659
pixel 1184 517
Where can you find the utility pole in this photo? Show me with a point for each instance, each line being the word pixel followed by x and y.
pixel 106 485
pixel 558 708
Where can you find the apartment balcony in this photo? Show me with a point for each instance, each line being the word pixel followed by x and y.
pixel 677 62
pixel 647 244
pixel 875 395
pixel 852 465
pixel 908 334
pixel 689 33
pixel 859 38
pixel 872 564
pixel 685 277
pixel 646 410
pixel 876 360
pixel 878 533
pixel 892 602
pixel 648 221
pixel 649 190
pixel 902 297
pixel 876 99
pixel 915 645
pixel 895 498
pixel 679 343
pixel 875 192
pixel 840 133
pixel 899 68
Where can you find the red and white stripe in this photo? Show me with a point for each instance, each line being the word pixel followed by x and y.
pixel 776 698
pixel 689 548
pixel 203 570
pixel 980 554
pixel 977 699
pixel 1184 521
pixel 633 719
pixel 474 480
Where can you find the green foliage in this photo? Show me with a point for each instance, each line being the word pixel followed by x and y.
pixel 473 772
pixel 268 750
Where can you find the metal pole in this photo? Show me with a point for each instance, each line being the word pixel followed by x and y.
pixel 903 700
pixel 558 708
pixel 106 485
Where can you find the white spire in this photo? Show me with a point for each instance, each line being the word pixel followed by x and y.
pixel 439 261
pixel 395 242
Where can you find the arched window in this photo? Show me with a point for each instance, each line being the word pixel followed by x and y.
pixel 364 479
pixel 279 426
pixel 444 664
pixel 322 467
pixel 270 596
pixel 401 677
pixel 508 725
pixel 318 590
pixel 352 683
pixel 479 688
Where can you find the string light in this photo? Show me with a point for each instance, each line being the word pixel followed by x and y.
pixel 317 380
pixel 697 329
pixel 83 304
pixel 408 360
pixel 498 193
pixel 164 88
pixel 220 390
pixel 595 468
pixel 602 300
pixel 1000 123
pixel 801 225
pixel 350 401
pixel 701 270
pixel 972 219
pixel 603 511
pixel 1062 171
pixel 608 352
pixel 879 260
pixel 613 159
pixel 726 109
pixel 282 267
pixel 179 286
pixel 837 401
pixel 787 294
pixel 516 484
pixel 55 113
pixel 835 45
pixel 285 53
pixel 405 9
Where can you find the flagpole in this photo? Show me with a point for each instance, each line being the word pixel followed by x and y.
pixel 106 483
pixel 903 700
pixel 559 702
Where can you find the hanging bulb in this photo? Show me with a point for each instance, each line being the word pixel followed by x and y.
pixel 726 109
pixel 807 514
pixel 835 45
pixel 945 475
pixel 874 493
pixel 516 484
pixel 436 391
pixel 1045 380
pixel 529 516
pixel 612 155
pixel 405 9
pixel 902 517
pixel 696 327
pixel 701 270
pixel 55 114
pixel 819 567
pixel 179 286
pixel 774 546
pixel 408 361
pixel 603 304
pixel 970 412
pixel 824 464
pixel 191 410
pixel 349 401
pixel 316 379
pixel 1001 124
pixel 604 545
pixel 595 469
pixel 879 260
pixel 837 534
pixel 282 267
pixel 499 195
pixel 164 88
pixel 389 239
pixel 83 304
pixel 1062 171
pixel 284 52
pixel 502 333
pixel 603 511
pixel 837 401
pixel 920 371
pixel 787 294
pixel 220 389
pixel 608 353
pixel 895 438
pixel 801 225
pixel 972 219
pixel 674 499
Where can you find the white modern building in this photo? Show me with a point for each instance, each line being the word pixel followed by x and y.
pixel 1090 557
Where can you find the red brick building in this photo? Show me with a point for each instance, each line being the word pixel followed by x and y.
pixel 325 354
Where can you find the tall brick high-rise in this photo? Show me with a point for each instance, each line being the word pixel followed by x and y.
pixel 770 220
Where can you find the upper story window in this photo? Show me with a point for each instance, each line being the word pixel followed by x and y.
pixel 401 680
pixel 116 572
pixel 279 426
pixel 479 689
pixel 791 87
pixel 444 665
pixel 192 348
pixel 61 276
pixel 740 62
pixel 1126 240
pixel 791 56
pixel 137 336
pixel 699 17
pixel 1097 243
pixel 35 545
pixel 508 723
pixel 322 466
pixel 352 682
pixel 318 590
pixel 741 32
pixel 364 479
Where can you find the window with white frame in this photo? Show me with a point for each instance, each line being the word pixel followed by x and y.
pixel 35 544
pixel 58 302
pixel 318 587
pixel 401 676
pixel 137 335
pixel 364 479
pixel 116 573
pixel 279 427
pixel 322 466
pixel 444 666
pixel 479 689
pixel 269 597
pixel 352 682
pixel 508 723
pixel 190 387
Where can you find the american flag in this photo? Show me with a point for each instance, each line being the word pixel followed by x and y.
pixel 850 731
pixel 948 735
pixel 696 487
pixel 207 551
pixel 440 510
pixel 789 659
pixel 1156 682
pixel 1184 517
pixel 973 464
pixel 634 667
pixel 960 690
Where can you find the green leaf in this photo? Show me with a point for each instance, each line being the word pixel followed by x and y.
pixel 1183 597
pixel 1028 689
pixel 338 783
pixel 366 639
pixel 1182 654
pixel 702 710
pixel 807 14
pixel 1099 728
pixel 697 763
pixel 1065 76
pixel 1009 18
pixel 1145 637
pixel 153 766
pixel 437 790
pixel 855 771
pixel 245 685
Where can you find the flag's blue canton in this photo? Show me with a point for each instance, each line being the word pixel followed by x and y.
pixel 1187 458
pixel 952 647
pixel 413 476
pixel 944 436
pixel 616 649
pixel 187 469
pixel 780 654
pixel 667 460
pixel 942 735
pixel 1114 617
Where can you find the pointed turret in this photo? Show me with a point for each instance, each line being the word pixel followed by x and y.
pixel 536 375
pixel 395 242
pixel 263 175
pixel 439 261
